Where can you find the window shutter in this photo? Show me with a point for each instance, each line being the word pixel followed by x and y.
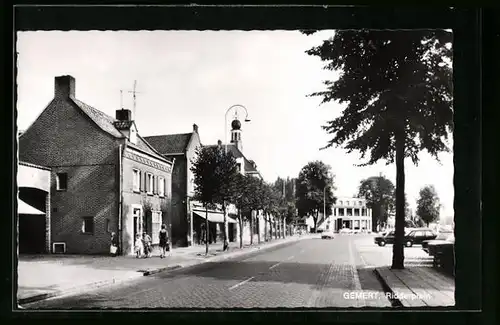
pixel 140 180
pixel 154 184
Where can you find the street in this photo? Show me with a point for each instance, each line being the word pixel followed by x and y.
pixel 307 273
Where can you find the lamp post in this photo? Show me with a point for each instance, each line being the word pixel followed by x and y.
pixel 324 200
pixel 225 124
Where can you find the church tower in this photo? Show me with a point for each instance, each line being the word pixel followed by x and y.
pixel 236 133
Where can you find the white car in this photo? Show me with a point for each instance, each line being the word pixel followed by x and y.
pixel 345 231
pixel 327 234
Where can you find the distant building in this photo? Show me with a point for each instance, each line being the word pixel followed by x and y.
pixel 104 176
pixel 352 213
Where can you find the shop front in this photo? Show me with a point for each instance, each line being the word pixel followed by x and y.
pixel 215 225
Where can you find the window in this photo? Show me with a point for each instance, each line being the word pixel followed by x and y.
pixel 161 186
pixel 360 203
pixel 239 167
pixel 62 181
pixel 108 226
pixel 88 225
pixel 136 180
pixel 155 226
pixel 149 183
pixel 341 203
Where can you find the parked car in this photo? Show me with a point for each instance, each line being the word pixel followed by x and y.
pixel 442 236
pixel 327 234
pixel 444 255
pixel 411 238
pixel 435 246
pixel 345 231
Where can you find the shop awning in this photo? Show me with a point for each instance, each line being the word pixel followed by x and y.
pixel 214 217
pixel 25 208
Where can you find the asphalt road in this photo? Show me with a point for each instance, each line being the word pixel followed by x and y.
pixel 307 273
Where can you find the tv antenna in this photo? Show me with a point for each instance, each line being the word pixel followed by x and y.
pixel 134 92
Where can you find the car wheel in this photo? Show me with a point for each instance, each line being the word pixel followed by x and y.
pixel 409 243
pixel 382 243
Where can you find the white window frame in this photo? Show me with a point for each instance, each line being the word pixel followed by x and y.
pixel 161 186
pixel 136 180
pixel 83 225
pixel 58 182
pixel 149 183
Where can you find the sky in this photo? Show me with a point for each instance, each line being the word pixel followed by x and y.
pixel 186 77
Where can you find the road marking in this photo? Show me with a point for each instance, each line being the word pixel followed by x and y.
pixel 272 267
pixel 243 282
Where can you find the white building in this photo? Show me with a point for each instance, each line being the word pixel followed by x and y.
pixel 350 213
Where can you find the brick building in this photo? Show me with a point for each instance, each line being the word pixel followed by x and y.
pixel 182 147
pixel 104 176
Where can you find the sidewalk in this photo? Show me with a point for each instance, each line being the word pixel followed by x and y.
pixel 46 276
pixel 417 286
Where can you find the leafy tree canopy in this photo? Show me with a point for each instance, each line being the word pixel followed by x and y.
pixel 428 205
pixel 392 82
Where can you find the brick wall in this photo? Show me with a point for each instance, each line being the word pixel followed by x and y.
pixel 179 210
pixel 66 140
pixel 133 199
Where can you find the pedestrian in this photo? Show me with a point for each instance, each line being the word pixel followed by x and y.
pixel 163 240
pixel 138 246
pixel 146 240
pixel 114 244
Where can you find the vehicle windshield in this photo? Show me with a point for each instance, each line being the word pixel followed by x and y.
pixel 444 235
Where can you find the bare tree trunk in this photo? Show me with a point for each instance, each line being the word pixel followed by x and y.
pixel 225 244
pixel 240 219
pixel 206 231
pixel 258 228
pixel 251 227
pixel 397 248
pixel 265 226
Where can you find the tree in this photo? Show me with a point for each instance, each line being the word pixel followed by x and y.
pixel 379 194
pixel 286 203
pixel 428 205
pixel 257 195
pixel 247 198
pixel 204 168
pixel 315 182
pixel 215 173
pixel 398 91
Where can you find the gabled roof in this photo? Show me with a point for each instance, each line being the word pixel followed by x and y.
pixel 112 126
pixel 248 166
pixel 170 143
pixel 104 121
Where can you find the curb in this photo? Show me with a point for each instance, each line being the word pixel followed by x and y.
pixel 78 289
pixel 99 284
pixel 387 289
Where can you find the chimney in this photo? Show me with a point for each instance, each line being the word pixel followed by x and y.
pixel 123 115
pixel 195 128
pixel 64 87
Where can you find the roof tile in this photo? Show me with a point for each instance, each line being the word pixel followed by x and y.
pixel 170 143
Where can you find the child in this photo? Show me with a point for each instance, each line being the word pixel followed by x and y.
pixel 147 244
pixel 138 247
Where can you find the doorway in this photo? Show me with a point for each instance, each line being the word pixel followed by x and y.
pixel 31 234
